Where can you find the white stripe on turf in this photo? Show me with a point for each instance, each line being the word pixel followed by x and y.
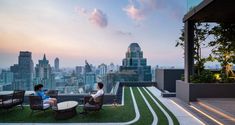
pixel 155 118
pixel 170 121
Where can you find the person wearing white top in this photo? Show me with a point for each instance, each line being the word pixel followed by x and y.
pixel 99 92
pixel 92 99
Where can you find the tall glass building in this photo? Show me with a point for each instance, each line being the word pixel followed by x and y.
pixel 23 71
pixel 134 62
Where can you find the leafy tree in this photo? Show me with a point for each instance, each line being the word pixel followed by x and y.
pixel 201 32
pixel 224 47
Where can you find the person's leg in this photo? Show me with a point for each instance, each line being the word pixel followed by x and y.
pixel 51 102
pixel 86 99
pixel 54 101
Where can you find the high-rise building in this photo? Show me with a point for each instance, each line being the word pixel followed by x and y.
pixel 102 69
pixel 44 74
pixel 79 70
pixel 7 77
pixel 90 76
pixel 57 64
pixel 111 68
pixel 135 62
pixel 23 71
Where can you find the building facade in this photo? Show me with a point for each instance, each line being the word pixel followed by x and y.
pixel 134 62
pixel 57 64
pixel 44 74
pixel 23 71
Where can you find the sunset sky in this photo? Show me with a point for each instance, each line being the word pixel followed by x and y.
pixel 95 30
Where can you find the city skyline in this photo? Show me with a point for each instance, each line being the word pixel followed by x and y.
pixel 76 31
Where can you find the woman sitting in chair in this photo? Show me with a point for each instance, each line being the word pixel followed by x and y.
pixel 46 99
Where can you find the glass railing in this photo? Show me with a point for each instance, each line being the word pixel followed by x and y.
pixel 192 3
pixel 69 89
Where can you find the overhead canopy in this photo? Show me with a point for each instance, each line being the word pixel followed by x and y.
pixel 212 11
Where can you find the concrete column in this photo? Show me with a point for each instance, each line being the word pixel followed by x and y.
pixel 189 52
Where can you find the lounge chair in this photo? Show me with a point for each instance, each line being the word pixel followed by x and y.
pixel 12 100
pixel 36 104
pixel 94 107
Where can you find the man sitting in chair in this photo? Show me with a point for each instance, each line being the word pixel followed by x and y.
pixel 93 101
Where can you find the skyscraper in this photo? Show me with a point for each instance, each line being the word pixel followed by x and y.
pixel 134 62
pixel 102 69
pixel 90 76
pixel 44 74
pixel 23 71
pixel 57 64
pixel 7 76
pixel 79 70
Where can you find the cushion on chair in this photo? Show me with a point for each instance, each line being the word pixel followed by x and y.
pixel 91 107
pixel 45 106
pixel 16 100
pixel 7 102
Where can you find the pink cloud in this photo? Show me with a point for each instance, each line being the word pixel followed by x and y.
pixel 134 13
pixel 140 9
pixel 98 18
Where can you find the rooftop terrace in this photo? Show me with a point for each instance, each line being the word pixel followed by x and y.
pixel 140 105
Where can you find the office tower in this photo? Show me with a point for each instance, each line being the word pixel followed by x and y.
pixel 90 76
pixel 102 69
pixel 57 64
pixel 7 77
pixel 134 62
pixel 79 70
pixel 23 71
pixel 43 74
pixel 88 67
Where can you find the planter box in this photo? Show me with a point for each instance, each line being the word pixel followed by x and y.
pixel 191 91
pixel 166 78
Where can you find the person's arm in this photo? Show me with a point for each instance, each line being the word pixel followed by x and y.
pixel 42 94
pixel 99 93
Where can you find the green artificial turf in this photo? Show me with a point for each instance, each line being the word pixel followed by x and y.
pixel 162 120
pixel 146 117
pixel 108 114
pixel 175 120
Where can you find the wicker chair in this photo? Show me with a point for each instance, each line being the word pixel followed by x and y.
pixel 12 100
pixel 93 107
pixel 36 104
pixel 18 97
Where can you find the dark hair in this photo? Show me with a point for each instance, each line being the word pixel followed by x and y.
pixel 101 85
pixel 37 87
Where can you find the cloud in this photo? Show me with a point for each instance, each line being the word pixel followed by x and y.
pixel 123 33
pixel 98 18
pixel 134 13
pixel 139 9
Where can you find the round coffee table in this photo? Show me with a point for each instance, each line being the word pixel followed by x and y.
pixel 66 110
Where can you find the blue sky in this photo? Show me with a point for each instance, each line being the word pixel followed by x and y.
pixel 97 31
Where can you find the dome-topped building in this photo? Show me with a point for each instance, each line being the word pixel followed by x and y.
pixel 134 61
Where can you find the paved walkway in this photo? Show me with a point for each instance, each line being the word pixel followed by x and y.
pixel 183 116
pixel 219 111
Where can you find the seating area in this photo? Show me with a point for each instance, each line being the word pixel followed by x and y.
pixel 139 107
